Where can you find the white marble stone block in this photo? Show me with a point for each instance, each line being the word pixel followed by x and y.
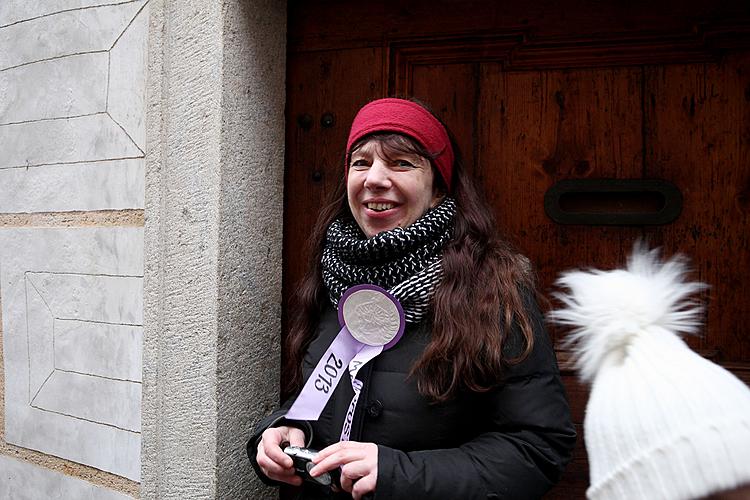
pixel 72 83
pixel 58 88
pixel 21 480
pixel 13 11
pixel 104 349
pixel 126 103
pixel 113 184
pixel 72 314
pixel 41 345
pixel 90 297
pixel 86 138
pixel 66 33
pixel 93 398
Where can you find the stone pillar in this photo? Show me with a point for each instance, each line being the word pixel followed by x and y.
pixel 212 292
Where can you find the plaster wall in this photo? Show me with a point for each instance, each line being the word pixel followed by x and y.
pixel 72 141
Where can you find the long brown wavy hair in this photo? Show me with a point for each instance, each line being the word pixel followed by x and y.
pixel 474 307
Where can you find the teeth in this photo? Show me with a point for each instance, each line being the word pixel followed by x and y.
pixel 380 206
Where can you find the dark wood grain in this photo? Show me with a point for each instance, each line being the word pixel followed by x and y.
pixel 336 24
pixel 455 103
pixel 698 126
pixel 537 128
pixel 539 93
pixel 336 82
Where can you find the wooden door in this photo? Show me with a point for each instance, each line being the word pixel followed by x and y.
pixel 559 91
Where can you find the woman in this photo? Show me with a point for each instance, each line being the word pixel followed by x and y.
pixel 469 402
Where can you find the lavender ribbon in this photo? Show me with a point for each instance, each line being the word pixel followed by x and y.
pixel 346 353
pixel 367 353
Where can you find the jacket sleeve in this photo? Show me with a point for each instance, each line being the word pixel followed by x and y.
pixel 275 419
pixel 525 441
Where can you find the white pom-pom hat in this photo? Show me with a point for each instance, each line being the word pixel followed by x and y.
pixel 661 422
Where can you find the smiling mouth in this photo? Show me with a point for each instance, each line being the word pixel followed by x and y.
pixel 380 207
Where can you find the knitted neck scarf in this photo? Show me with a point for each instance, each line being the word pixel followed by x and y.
pixel 404 261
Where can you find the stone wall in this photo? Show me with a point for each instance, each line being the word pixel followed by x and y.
pixel 212 290
pixel 72 142
pixel 141 180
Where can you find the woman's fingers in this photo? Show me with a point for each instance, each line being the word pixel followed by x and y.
pixel 268 465
pixel 337 454
pixel 353 472
pixel 343 453
pixel 356 469
pixel 359 465
pixel 277 473
pixel 346 483
pixel 296 437
pixel 271 445
pixel 292 479
pixel 272 460
pixel 364 486
pixel 330 450
pixel 358 461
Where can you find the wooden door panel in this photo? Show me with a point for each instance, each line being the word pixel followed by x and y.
pixel 539 95
pixel 451 90
pixel 698 119
pixel 334 83
pixel 532 129
pixel 540 127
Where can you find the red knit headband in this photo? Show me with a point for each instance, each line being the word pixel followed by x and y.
pixel 408 118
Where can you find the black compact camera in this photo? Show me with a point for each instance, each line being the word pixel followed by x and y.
pixel 302 458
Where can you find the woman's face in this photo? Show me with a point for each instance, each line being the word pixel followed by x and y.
pixel 387 193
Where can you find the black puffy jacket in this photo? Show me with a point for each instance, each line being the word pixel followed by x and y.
pixel 512 442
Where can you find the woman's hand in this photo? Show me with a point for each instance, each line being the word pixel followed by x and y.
pixel 272 460
pixel 359 465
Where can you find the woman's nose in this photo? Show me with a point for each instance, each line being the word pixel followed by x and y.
pixel 378 176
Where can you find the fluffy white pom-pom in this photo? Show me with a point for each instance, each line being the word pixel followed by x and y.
pixel 607 309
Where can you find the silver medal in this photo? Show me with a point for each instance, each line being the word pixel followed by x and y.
pixel 371 317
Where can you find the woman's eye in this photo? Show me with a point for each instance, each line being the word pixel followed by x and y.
pixel 404 164
pixel 359 164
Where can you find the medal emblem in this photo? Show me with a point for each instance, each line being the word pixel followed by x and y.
pixel 372 315
pixel 371 321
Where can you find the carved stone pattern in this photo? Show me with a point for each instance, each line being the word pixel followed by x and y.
pixel 72 335
pixel 74 83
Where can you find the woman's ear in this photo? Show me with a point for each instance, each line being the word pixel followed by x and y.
pixel 438 189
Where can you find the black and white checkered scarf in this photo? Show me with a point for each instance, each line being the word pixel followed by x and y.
pixel 404 261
